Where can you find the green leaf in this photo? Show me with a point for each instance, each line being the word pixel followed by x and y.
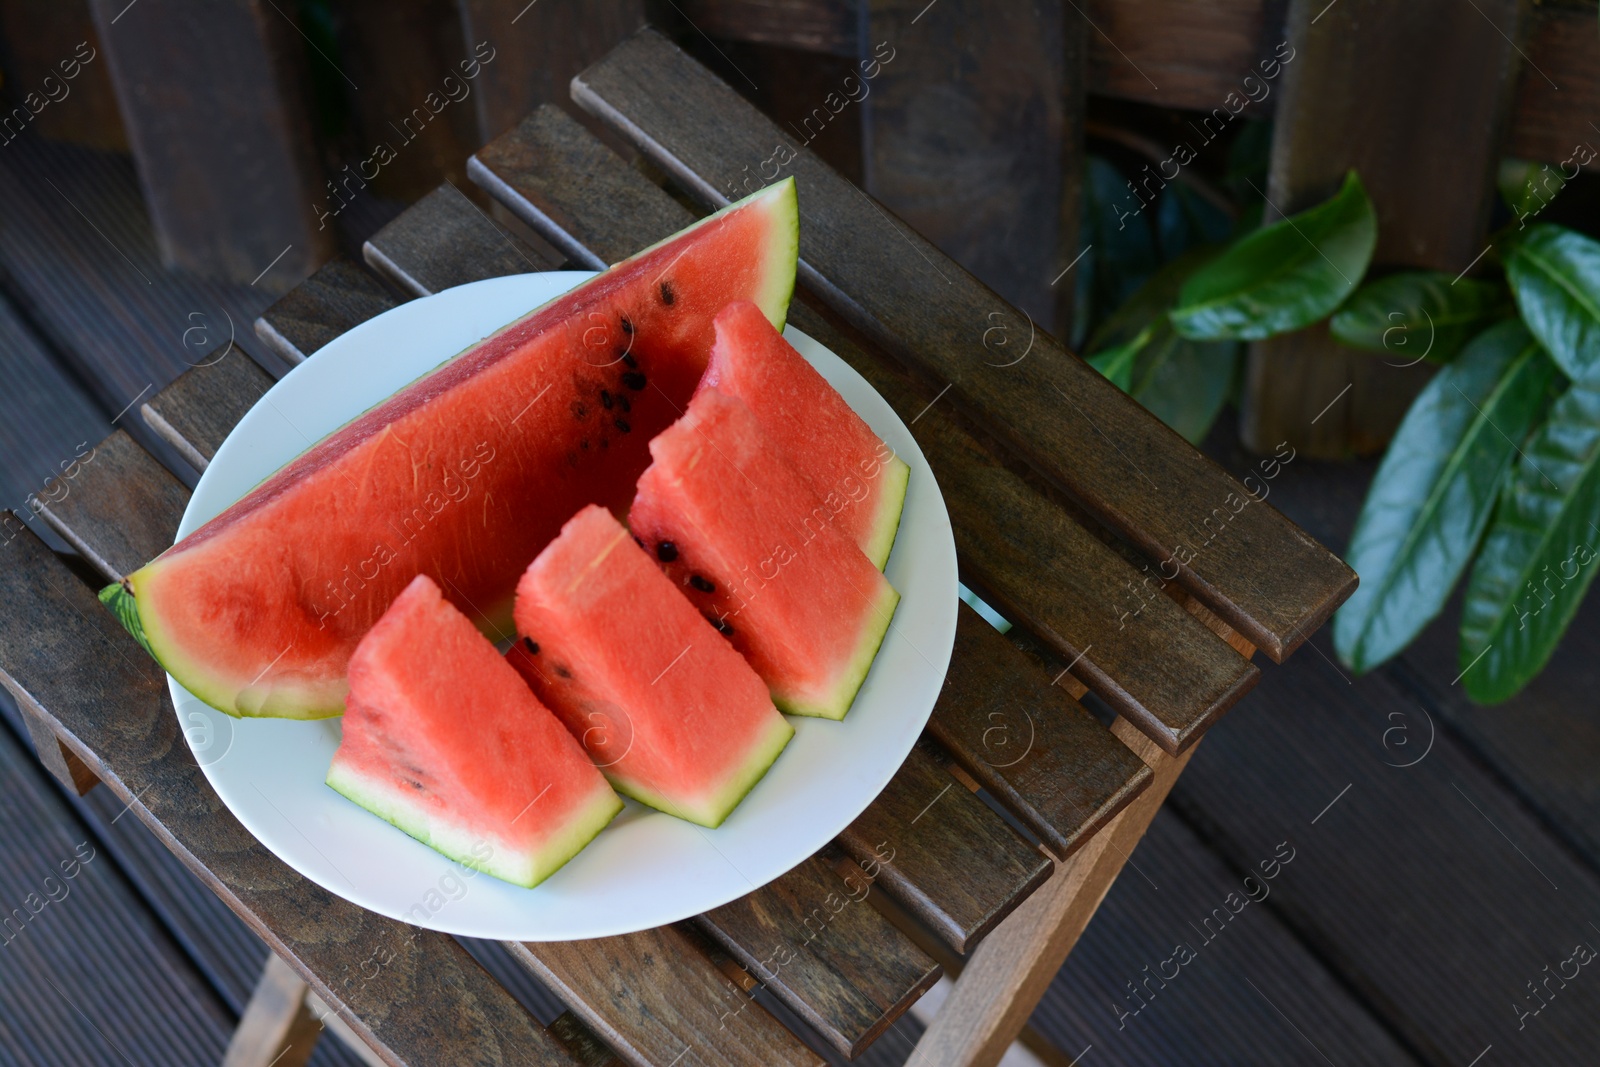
pixel 1116 363
pixel 1184 383
pixel 1434 491
pixel 1539 556
pixel 1528 187
pixel 1555 274
pixel 1284 276
pixel 1185 219
pixel 1420 315
pixel 1121 252
pixel 120 600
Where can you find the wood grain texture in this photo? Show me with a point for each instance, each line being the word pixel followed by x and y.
pixel 1161 669
pixel 942 853
pixel 1005 976
pixel 536 49
pixel 444 239
pixel 971 132
pixel 1429 168
pixel 58 759
pixel 1267 579
pixel 829 26
pixel 277 1028
pixel 810 939
pixel 63 656
pixel 196 412
pixel 121 510
pixel 656 999
pixel 183 76
pixel 39 41
pixel 1177 53
pixel 338 296
pixel 1559 90
pixel 1030 744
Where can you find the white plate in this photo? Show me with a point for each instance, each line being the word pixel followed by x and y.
pixel 646 868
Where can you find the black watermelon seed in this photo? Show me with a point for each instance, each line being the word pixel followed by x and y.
pixel 629 360
pixel 627 325
pixel 605 442
pixel 667 295
pixel 584 444
pixel 721 626
pixel 701 584
pixel 633 380
pixel 578 410
pixel 622 424
pixel 531 645
pixel 666 552
pixel 624 403
pixel 562 672
pixel 605 399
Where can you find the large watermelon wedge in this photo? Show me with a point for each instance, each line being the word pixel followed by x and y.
pixel 463 475
pixel 443 739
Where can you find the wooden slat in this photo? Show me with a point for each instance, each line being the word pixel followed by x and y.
pixel 338 296
pixel 1267 579
pixel 121 510
pixel 943 853
pixel 195 413
pixel 63 656
pixel 1429 168
pixel 975 135
pixel 811 939
pixel 57 758
pixel 1162 669
pixel 445 239
pixel 226 77
pixel 1559 91
pixel 1030 744
pixel 656 999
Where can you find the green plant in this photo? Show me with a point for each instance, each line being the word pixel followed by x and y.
pixel 1494 472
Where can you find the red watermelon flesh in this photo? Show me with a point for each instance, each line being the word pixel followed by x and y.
pixel 750 544
pixel 666 709
pixel 463 475
pixel 852 471
pixel 443 739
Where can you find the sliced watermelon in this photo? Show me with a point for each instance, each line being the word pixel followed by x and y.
pixel 443 739
pixel 667 710
pixel 463 475
pixel 858 478
pixel 742 535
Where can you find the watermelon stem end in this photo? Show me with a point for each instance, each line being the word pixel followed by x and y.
pixel 119 598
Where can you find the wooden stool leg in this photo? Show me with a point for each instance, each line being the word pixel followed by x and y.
pixel 278 1027
pixel 1008 972
pixel 59 760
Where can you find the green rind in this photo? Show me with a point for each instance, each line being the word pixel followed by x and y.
pixel 717 807
pixel 524 869
pixel 123 605
pixel 836 704
pixel 891 505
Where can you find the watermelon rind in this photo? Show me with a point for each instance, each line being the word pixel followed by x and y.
pixel 126 610
pixel 835 704
pixel 711 810
pixel 891 504
pixel 782 254
pixel 521 867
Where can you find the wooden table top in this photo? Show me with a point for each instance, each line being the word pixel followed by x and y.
pixel 1135 569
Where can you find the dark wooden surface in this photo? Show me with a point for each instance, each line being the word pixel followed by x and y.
pixel 247 198
pixel 1267 580
pixel 196 411
pixel 828 26
pixel 975 123
pixel 1165 671
pixel 449 241
pixel 338 296
pixel 1560 87
pixel 1431 179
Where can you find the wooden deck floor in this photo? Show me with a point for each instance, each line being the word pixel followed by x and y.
pixel 1418 903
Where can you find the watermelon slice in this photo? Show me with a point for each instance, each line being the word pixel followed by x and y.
pixel 852 471
pixel 667 710
pixel 463 475
pixel 749 542
pixel 444 740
